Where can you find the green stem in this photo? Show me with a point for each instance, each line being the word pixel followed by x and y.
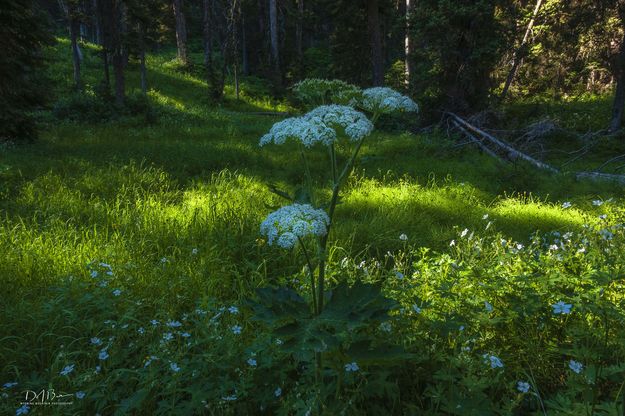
pixel 333 162
pixel 308 176
pixel 311 271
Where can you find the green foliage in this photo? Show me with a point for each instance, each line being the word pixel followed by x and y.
pixel 90 108
pixel 311 93
pixel 459 44
pixel 23 34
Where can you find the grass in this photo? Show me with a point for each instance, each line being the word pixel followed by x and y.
pixel 145 198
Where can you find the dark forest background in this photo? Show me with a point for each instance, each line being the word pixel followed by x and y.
pixel 462 56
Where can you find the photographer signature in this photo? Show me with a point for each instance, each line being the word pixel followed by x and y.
pixel 48 396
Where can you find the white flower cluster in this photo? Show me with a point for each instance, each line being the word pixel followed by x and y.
pixel 343 118
pixel 320 126
pixel 284 226
pixel 386 100
pixel 299 128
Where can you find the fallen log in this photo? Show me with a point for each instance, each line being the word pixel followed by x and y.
pixel 513 153
pixel 600 176
pixel 476 141
pixel 511 150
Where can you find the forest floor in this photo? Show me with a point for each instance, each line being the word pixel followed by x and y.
pixel 174 208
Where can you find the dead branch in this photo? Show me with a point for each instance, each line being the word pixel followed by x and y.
pixel 511 150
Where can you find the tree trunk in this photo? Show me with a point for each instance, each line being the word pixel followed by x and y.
pixel 74 27
pixel 144 72
pixel 408 45
pixel 518 54
pixel 112 16
pixel 377 64
pixel 244 60
pixel 181 32
pixel 273 34
pixel 299 30
pixel 96 23
pixel 618 107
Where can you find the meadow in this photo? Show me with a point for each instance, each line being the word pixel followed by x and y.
pixel 131 253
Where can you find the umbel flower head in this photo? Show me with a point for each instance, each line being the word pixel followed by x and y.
pixel 284 226
pixel 299 128
pixel 353 123
pixel 386 100
pixel 320 126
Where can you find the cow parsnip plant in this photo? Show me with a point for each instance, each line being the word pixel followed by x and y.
pixel 333 328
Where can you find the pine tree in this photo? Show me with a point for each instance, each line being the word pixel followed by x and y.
pixel 23 34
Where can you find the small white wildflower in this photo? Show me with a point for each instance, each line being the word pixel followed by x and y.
pixel 603 216
pixel 154 322
pixel 252 362
pixel 194 251
pixel 403 237
pixel 67 369
pixel 553 247
pixel 597 202
pixel 523 386
pixel 236 329
pixel 416 309
pixel 284 226
pixel 566 205
pixel 351 367
pixel 173 324
pixel 576 366
pixel 24 409
pixel 9 385
pixel 80 395
pixel 174 367
pixel 94 274
pixel 103 355
pixel 168 336
pixel 229 398
pixel 386 326
pixel 561 308
pixel 98 369
pixel 279 341
pixel 464 232
pixel 607 235
pixel 103 283
pixel 399 275
pixel 488 306
pixel 278 392
pixel 452 243
pixel 494 361
pixel 233 310
pixel 185 335
pixel 96 341
pixel 485 217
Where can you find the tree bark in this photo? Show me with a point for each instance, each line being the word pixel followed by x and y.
pixel 518 54
pixel 408 44
pixel 181 32
pixel 244 60
pixel 273 34
pixel 299 30
pixel 618 107
pixel 144 72
pixel 112 20
pixel 375 40
pixel 74 27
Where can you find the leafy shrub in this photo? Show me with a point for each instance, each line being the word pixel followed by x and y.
pixel 91 108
